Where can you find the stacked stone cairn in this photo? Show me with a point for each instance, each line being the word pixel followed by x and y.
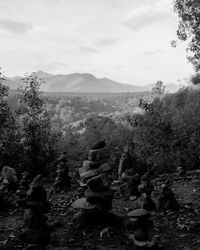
pixel 167 200
pixel 23 187
pixel 128 176
pixel 146 189
pixel 98 194
pixel 141 229
pixel 36 231
pixel 62 180
pixel 4 203
pixel 9 177
pixel 8 183
pixel 23 184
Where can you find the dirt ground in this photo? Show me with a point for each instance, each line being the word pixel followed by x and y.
pixel 179 230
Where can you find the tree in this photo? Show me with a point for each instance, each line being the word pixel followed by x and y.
pixel 38 138
pixel 9 134
pixel 195 79
pixel 159 90
pixel 153 135
pixel 189 28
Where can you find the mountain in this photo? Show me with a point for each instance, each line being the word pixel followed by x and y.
pixel 85 82
pixel 12 83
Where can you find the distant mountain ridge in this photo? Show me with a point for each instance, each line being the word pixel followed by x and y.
pixel 85 83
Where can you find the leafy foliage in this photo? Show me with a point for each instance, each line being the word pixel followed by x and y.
pixel 164 130
pixel 195 79
pixel 188 28
pixel 159 90
pixel 10 147
pixel 38 138
pixel 167 134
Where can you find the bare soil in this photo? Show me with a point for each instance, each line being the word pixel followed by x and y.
pixel 179 230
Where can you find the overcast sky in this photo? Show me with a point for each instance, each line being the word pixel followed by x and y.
pixel 125 40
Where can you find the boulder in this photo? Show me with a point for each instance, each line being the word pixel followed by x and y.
pixel 9 174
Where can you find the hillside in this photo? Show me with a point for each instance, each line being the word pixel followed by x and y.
pixel 85 83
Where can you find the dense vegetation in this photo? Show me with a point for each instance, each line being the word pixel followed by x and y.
pixel 36 127
pixel 188 28
pixel 168 132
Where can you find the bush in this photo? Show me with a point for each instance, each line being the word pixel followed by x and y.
pixel 167 134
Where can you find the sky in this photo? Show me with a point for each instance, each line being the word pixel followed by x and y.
pixel 125 40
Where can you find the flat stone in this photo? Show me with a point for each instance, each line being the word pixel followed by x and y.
pixel 101 198
pixel 135 178
pixel 83 204
pixel 100 144
pixel 140 212
pixel 93 164
pixel 86 172
pixel 98 154
pixel 99 183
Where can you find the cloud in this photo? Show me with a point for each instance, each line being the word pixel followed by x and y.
pixel 106 42
pixel 145 16
pixel 152 52
pixel 14 26
pixel 87 49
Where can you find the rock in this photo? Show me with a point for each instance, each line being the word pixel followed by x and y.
pixel 63 157
pixel 148 204
pixel 135 178
pixel 9 177
pixel 99 145
pixel 98 196
pixel 105 232
pixel 93 164
pixel 141 227
pixel 101 198
pixel 98 154
pixel 143 244
pixel 132 182
pixel 37 232
pixel 37 195
pixel 34 220
pixel 99 183
pixel 4 204
pixel 83 204
pixel 145 186
pixel 167 200
pixel 62 180
pixel 126 162
pixel 86 172
pixel 124 190
pixel 9 174
pixel 140 212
